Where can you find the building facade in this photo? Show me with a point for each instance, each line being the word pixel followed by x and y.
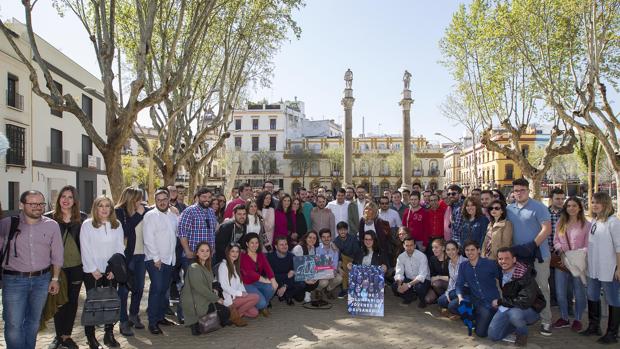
pixel 48 149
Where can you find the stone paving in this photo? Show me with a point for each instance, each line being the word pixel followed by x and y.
pixel 297 327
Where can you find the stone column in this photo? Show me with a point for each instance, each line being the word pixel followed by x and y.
pixel 406 103
pixel 347 103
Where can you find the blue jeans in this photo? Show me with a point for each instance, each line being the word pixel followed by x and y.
pixel 264 292
pixel 562 283
pixel 136 265
pixel 512 320
pixel 160 284
pixel 611 288
pixel 23 299
pixel 452 305
pixel 483 316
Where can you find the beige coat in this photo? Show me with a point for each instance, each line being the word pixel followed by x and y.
pixel 501 236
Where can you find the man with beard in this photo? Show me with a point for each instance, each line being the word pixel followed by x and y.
pixel 159 229
pixel 356 210
pixel 231 231
pixel 340 208
pixel 174 198
pixel 31 269
pixel 486 198
pixel 196 224
pixel 453 220
pixel 322 217
pixel 350 194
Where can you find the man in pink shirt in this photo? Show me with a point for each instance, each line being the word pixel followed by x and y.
pixel 245 193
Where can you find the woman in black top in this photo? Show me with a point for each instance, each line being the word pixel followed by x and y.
pixel 440 274
pixel 130 211
pixel 69 217
pixel 371 253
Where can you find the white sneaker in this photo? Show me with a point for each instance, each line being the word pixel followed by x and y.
pixel 307 298
pixel 511 338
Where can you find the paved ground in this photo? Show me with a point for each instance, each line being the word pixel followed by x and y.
pixel 297 327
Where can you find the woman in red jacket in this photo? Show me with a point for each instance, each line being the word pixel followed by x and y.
pixel 256 273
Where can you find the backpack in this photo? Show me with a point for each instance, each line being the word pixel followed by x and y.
pixel 6 250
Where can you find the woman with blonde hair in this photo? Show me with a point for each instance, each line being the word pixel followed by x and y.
pixel 603 268
pixel 371 221
pixel 130 211
pixel 571 234
pixel 101 237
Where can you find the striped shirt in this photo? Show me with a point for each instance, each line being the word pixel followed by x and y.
pixel 197 224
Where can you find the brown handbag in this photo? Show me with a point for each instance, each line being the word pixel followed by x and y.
pixel 556 260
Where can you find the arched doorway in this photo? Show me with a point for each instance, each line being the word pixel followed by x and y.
pixel 294 186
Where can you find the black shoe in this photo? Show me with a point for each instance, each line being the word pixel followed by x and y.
pixel 92 342
pixel 169 312
pixel 109 340
pixel 613 323
pixel 134 320
pixel 54 344
pixel 422 304
pixel 69 344
pixel 195 330
pixel 166 322
pixel 154 329
pixel 289 301
pixel 594 320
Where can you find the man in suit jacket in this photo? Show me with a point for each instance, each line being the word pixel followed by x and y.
pixel 356 209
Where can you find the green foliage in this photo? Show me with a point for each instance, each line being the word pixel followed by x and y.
pixel 136 172
pixel 335 155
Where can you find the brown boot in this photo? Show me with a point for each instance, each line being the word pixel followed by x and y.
pixel 236 318
pixel 264 312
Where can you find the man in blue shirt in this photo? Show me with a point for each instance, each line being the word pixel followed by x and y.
pixel 481 275
pixel 329 249
pixel 531 222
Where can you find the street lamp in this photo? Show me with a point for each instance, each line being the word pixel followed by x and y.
pixel 456 144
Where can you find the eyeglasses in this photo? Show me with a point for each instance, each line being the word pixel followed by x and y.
pixel 593 229
pixel 496 208
pixel 453 194
pixel 35 204
pixel 234 244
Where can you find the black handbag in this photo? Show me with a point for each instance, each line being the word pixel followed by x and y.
pixel 210 321
pixel 102 306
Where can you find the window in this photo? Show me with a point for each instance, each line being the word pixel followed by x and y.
pixel 13 196
pixel 272 143
pixel 237 143
pixel 314 169
pixel 255 166
pixel 89 193
pixel 273 166
pixel 254 124
pixel 87 107
pixel 56 111
pixel 525 150
pixel 13 98
pixel 272 124
pixel 87 149
pixel 16 154
pixel 255 143
pixel 55 146
pixel 509 168
pixel 237 124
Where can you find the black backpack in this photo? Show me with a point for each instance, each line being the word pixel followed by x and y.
pixel 6 249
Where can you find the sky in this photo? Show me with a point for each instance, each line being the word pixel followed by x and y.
pixel 377 40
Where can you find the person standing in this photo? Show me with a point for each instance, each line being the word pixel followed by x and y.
pixel 160 235
pixel 130 212
pixel 604 268
pixel 32 267
pixel 321 216
pixel 266 207
pixel 101 238
pixel 475 223
pixel 531 222
pixel 435 215
pixel 69 218
pixel 340 208
pixel 415 218
pixel 197 224
pixel 389 215
pixel 454 219
pixel 397 203
pixel 499 231
pixel 356 210
pixel 349 247
pixel 231 231
pixel 245 194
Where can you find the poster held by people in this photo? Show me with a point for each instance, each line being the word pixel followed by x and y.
pixel 313 267
pixel 366 290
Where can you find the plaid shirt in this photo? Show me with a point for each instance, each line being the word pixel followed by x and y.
pixel 555 217
pixel 197 224
pixel 456 226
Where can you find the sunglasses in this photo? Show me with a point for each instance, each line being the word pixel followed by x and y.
pixel 453 194
pixel 593 229
pixel 496 208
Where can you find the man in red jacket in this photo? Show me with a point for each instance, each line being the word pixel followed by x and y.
pixel 416 219
pixel 436 214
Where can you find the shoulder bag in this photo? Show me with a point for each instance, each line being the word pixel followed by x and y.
pixel 208 322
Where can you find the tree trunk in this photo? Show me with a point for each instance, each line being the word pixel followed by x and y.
pixel 114 171
pixel 168 175
pixel 535 185
pixel 617 176
pixel 591 182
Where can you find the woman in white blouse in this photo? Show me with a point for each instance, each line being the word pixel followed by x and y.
pixel 267 209
pixel 448 300
pixel 100 238
pixel 603 268
pixel 255 224
pixel 240 302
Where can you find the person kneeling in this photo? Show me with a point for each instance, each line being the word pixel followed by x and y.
pixel 236 298
pixel 329 249
pixel 521 300
pixel 412 275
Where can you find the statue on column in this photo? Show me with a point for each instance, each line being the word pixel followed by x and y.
pixel 407 79
pixel 348 79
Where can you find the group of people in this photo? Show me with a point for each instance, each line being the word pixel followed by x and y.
pixel 235 257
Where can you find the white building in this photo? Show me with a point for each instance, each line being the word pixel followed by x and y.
pixel 49 149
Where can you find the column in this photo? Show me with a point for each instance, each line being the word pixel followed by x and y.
pixel 347 103
pixel 406 103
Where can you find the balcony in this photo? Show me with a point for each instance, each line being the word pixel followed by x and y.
pixel 14 100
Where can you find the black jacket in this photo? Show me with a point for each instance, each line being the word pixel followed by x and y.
pixel 522 291
pixel 224 236
pixel 71 228
pixel 378 258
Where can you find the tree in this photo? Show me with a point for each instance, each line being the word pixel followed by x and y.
pixel 136 173
pixel 372 161
pixel 244 37
pixel 590 155
pixel 457 107
pixel 191 19
pixel 395 162
pixel 267 164
pixel 497 82
pixel 301 162
pixel 571 49
pixel 335 156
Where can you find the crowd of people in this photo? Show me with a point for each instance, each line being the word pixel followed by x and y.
pixel 501 260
